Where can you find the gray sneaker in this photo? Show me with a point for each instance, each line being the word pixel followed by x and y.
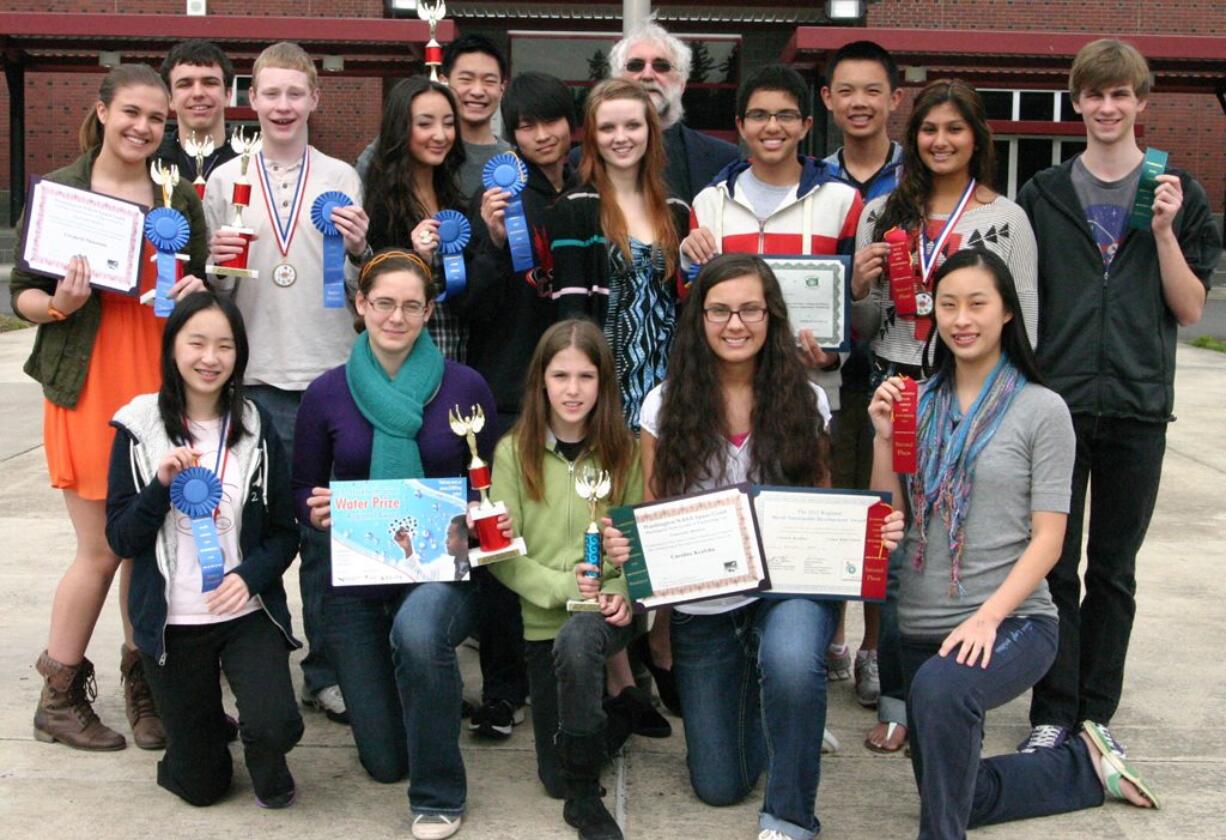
pixel 868 681
pixel 330 701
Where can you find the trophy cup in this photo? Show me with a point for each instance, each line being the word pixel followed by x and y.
pixel 199 149
pixel 237 266
pixel 167 231
pixel 432 14
pixel 593 487
pixel 494 546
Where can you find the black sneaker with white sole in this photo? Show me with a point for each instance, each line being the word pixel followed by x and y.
pixel 495 719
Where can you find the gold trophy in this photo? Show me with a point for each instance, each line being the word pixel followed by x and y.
pixel 236 266
pixel 593 487
pixel 432 14
pixel 199 149
pixel 494 546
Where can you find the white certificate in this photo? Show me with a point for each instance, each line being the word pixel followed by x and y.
pixel 817 291
pixel 815 540
pixel 692 548
pixel 62 222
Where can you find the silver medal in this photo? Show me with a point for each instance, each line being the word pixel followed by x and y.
pixel 923 304
pixel 284 275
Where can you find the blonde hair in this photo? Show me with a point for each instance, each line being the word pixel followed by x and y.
pixel 286 55
pixel 1106 62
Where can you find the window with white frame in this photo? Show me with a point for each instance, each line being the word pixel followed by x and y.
pixel 1022 154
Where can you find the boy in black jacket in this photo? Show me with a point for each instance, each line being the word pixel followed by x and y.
pixel 1112 299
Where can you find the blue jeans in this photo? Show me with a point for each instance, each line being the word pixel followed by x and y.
pixel 313 565
pixel 947 704
pixel 752 685
pixel 399 673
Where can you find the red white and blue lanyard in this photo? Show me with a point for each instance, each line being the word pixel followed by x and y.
pixel 929 249
pixel 222 459
pixel 285 230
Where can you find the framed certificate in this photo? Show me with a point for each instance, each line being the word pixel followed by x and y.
pixel 817 291
pixel 690 548
pixel 62 222
pixel 396 531
pixel 823 543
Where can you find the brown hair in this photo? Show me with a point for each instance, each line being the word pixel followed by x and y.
pixel 1106 62
pixel 385 262
pixel 608 439
pixel 124 76
pixel 592 170
pixel 285 55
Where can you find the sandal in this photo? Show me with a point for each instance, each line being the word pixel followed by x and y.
pixel 1115 768
pixel 892 728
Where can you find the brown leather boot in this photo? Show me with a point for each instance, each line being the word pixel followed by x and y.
pixel 64 712
pixel 147 729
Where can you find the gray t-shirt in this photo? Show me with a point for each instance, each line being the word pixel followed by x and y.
pixel 764 198
pixel 1107 205
pixel 1027 466
pixel 475 157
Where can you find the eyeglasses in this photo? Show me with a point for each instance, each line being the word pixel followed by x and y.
pixel 758 115
pixel 386 306
pixel 660 65
pixel 747 314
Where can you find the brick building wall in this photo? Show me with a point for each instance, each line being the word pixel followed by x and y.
pixel 1190 127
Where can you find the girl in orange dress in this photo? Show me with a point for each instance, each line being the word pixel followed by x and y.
pixel 93 353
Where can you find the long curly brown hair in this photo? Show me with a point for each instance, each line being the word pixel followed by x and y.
pixel 608 438
pixel 594 171
pixel 788 442
pixel 389 188
pixel 907 205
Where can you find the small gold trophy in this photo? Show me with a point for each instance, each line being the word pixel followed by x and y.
pixel 593 487
pixel 246 147
pixel 494 546
pixel 199 149
pixel 432 14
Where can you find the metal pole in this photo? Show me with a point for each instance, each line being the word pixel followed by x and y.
pixel 634 12
pixel 15 78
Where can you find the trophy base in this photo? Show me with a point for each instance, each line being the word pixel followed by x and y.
pixel 574 606
pixel 517 548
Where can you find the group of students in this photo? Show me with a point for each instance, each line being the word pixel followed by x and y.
pixel 649 339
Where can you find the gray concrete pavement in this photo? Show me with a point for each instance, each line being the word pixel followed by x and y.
pixel 1171 717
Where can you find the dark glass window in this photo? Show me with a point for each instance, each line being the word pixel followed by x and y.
pixel 1033 156
pixel 1002 165
pixel 1037 105
pixel 1069 148
pixel 1067 114
pixel 998 104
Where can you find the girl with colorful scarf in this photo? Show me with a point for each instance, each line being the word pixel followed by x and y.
pixel 383 414
pixel 987 510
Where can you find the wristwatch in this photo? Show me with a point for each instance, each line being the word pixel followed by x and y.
pixel 361 258
pixel 56 315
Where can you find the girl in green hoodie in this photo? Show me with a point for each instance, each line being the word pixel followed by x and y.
pixel 571 423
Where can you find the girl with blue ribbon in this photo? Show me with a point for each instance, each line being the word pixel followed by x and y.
pixel 199 495
pixel 988 507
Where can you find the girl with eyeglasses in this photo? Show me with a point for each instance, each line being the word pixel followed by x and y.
pixel 615 239
pixel 987 509
pixel 751 673
pixel 384 414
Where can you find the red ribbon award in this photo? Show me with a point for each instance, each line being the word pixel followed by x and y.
pixel 494 546
pixel 876 558
pixel 237 266
pixel 905 416
pixel 901 272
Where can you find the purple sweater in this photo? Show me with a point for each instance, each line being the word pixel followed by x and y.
pixel 332 438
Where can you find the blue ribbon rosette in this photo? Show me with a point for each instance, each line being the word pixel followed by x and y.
pixel 195 493
pixel 167 231
pixel 334 246
pixel 507 172
pixel 454 231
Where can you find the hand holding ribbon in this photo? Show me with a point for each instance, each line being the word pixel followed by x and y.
pixel 508 173
pixel 168 231
pixel 334 246
pixel 454 231
pixel 196 492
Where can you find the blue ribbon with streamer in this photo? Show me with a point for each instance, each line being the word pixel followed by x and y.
pixel 334 246
pixel 168 231
pixel 196 492
pixel 454 231
pixel 507 172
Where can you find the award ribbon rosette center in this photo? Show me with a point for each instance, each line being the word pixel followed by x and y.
pixel 167 231
pixel 454 231
pixel 334 246
pixel 508 173
pixel 195 493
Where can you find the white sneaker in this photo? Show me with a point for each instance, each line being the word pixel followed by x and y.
pixel 435 826
pixel 771 834
pixel 330 701
pixel 830 744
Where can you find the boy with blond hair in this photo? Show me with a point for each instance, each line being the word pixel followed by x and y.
pixel 294 338
pixel 1112 297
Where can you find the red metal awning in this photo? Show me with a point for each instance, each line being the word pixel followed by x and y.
pixel 1180 63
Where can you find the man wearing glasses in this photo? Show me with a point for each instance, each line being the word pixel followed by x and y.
pixel 661 64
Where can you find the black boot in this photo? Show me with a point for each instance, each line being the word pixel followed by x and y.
pixel 582 757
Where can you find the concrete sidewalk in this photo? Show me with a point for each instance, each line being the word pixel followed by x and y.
pixel 1175 693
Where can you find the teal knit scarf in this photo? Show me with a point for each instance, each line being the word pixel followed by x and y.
pixel 394 406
